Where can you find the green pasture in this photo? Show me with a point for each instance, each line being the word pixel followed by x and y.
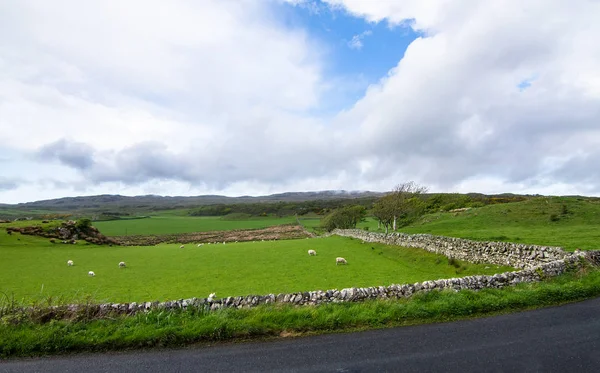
pixel 569 222
pixel 35 269
pixel 169 224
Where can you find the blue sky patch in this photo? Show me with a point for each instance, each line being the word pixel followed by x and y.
pixel 357 51
pixel 526 83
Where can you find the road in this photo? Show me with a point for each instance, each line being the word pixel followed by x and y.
pixel 557 339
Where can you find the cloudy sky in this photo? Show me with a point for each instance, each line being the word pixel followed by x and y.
pixel 251 97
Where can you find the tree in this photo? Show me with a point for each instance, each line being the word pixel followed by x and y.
pixel 401 206
pixel 344 218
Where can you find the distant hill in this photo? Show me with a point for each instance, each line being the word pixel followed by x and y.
pixel 108 201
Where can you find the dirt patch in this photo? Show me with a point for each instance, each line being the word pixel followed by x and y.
pixel 281 232
pixel 289 334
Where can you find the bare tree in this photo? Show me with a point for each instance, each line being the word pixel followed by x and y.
pixel 401 206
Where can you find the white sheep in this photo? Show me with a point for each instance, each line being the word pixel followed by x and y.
pixel 181 247
pixel 211 297
pixel 69 263
pixel 91 273
pixel 340 260
pixel 200 244
pixel 312 252
pixel 122 265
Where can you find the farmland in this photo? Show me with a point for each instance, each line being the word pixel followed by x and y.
pixel 32 268
pixel 168 224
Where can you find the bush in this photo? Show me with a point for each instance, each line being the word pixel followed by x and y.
pixel 83 224
pixel 344 218
pixel 554 217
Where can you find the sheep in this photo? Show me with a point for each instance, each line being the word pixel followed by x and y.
pixel 200 244
pixel 122 265
pixel 91 273
pixel 211 297
pixel 181 247
pixel 312 252
pixel 340 260
pixel 69 263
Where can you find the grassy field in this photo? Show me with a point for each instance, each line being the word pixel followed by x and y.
pixel 32 268
pixel 167 224
pixel 542 221
pixel 178 328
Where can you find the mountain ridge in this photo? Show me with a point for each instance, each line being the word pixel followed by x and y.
pixel 117 200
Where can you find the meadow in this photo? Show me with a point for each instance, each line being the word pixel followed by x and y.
pixel 168 224
pixel 34 269
pixel 568 222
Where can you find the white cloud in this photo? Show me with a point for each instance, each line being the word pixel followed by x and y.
pixel 193 97
pixel 452 110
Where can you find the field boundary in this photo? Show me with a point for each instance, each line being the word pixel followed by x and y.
pixel 502 253
pixel 570 262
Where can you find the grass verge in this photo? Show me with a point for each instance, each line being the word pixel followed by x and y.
pixel 177 328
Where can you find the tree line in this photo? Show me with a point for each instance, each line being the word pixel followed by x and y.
pixel 319 207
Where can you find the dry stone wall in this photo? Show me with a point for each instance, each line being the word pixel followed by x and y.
pixel 394 291
pixel 538 262
pixel 502 253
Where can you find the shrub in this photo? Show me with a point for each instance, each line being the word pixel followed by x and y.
pixel 84 224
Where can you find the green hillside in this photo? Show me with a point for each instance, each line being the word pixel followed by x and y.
pixel 570 222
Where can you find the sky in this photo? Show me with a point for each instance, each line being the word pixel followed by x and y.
pixel 255 97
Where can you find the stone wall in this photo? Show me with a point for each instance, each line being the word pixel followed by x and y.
pixel 538 262
pixel 394 291
pixel 501 253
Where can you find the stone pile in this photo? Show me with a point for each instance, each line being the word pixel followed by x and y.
pixel 66 232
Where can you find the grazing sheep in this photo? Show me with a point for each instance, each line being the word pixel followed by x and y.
pixel 223 242
pixel 211 297
pixel 91 273
pixel 181 247
pixel 312 252
pixel 122 265
pixel 340 260
pixel 69 263
pixel 200 244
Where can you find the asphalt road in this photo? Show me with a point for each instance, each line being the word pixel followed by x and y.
pixel 558 339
